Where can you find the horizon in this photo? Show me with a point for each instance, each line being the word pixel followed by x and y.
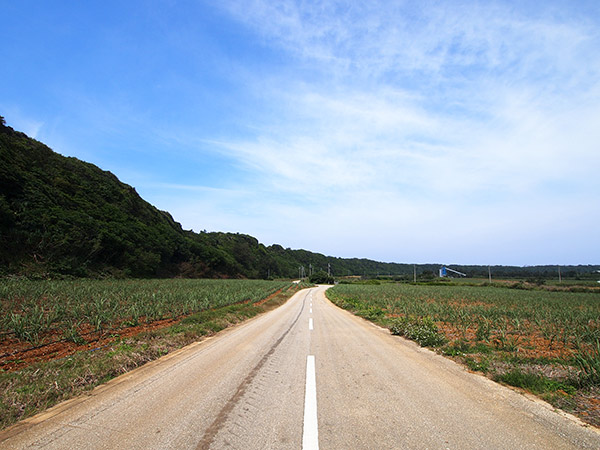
pixel 457 132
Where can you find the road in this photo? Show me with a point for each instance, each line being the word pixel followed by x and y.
pixel 306 375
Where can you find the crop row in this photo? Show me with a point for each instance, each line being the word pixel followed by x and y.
pixel 571 319
pixel 32 309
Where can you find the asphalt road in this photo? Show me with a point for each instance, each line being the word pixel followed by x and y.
pixel 306 375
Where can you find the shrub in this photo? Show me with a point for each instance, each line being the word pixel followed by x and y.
pixel 370 313
pixel 420 329
pixel 321 277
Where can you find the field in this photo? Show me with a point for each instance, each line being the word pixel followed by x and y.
pixel 545 341
pixel 44 317
pixel 61 338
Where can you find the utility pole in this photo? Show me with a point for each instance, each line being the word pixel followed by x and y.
pixel 414 273
pixel 559 276
pixel 328 269
pixel 490 274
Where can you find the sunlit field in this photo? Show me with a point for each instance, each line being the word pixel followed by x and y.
pixel 543 340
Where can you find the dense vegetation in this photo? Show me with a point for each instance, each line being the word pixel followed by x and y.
pixel 566 320
pixel 60 216
pixel 62 309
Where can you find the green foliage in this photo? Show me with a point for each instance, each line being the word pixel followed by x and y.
pixel 67 216
pixel 40 306
pixel 483 330
pixel 589 364
pixel 370 313
pixel 459 347
pixel 482 365
pixel 321 277
pixel 538 384
pixel 420 329
pixel 497 314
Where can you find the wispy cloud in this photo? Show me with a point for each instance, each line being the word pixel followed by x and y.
pixel 379 38
pixel 483 114
pixel 409 131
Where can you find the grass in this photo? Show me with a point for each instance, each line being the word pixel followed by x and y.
pixel 535 383
pixel 32 389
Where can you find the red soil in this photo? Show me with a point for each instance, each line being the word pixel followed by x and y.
pixel 16 354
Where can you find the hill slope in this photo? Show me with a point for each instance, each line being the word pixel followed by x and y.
pixel 63 216
pixel 60 215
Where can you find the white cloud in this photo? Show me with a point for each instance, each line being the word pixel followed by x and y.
pixel 464 120
pixel 392 130
pixel 378 37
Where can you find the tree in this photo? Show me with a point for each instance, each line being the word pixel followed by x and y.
pixel 321 277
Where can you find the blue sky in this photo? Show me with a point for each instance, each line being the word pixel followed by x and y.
pixel 453 132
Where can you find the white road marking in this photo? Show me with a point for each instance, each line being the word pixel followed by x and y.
pixel 311 310
pixel 310 324
pixel 310 436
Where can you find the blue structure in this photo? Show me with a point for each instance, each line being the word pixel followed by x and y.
pixel 444 272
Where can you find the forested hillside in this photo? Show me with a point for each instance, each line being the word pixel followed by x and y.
pixel 62 216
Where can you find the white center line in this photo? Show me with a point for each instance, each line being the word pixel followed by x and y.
pixel 310 436
pixel 311 310
pixel 310 324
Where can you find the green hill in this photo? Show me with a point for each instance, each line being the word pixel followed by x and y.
pixel 60 216
pixel 63 216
